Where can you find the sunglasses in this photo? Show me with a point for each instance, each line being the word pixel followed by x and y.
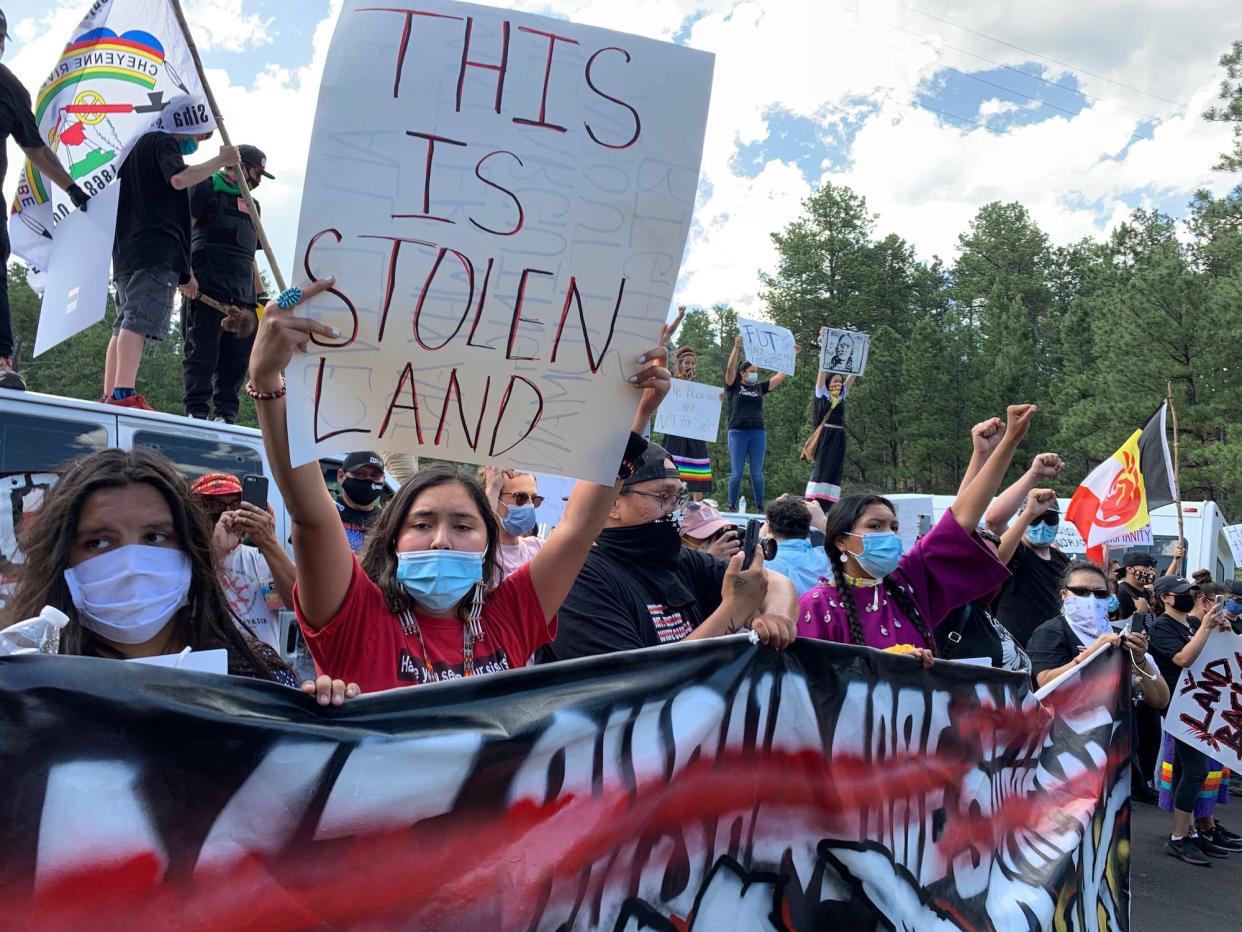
pixel 1084 591
pixel 521 498
pixel 1050 518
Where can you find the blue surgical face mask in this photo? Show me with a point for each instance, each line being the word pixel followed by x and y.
pixel 1113 603
pixel 438 579
pixel 881 553
pixel 1233 607
pixel 520 520
pixel 187 144
pixel 1041 535
pixel 752 378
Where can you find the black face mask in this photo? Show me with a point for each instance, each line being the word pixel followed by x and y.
pixel 1183 602
pixel 362 491
pixel 656 542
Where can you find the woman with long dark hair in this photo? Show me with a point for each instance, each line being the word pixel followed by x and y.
pixel 824 486
pixel 881 597
pixel 414 608
pixel 748 437
pixel 121 547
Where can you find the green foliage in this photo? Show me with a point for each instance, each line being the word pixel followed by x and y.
pixel 1230 108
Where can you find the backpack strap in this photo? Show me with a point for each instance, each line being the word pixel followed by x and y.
pixel 953 628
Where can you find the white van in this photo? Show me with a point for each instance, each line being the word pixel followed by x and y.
pixel 41 434
pixel 1206 544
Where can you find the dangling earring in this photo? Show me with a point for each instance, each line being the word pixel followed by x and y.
pixel 474 618
pixel 845 558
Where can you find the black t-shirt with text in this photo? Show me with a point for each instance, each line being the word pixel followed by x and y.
pixel 357 523
pixel 1033 594
pixel 614 606
pixel 1166 636
pixel 153 217
pixel 16 119
pixel 746 404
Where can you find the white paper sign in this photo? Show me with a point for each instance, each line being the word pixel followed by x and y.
pixel 767 345
pixel 555 491
pixel 76 293
pixel 1233 533
pixel 843 351
pixel 504 201
pixel 199 661
pixel 692 410
pixel 1204 710
pixel 1070 541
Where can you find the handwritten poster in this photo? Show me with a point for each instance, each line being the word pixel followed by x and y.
pixel 1233 533
pixel 692 410
pixel 843 351
pixel 504 200
pixel 1204 711
pixel 1070 541
pixel 767 345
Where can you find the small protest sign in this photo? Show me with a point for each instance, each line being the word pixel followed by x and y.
pixel 504 201
pixel 76 292
pixel 1233 533
pixel 767 345
pixel 1070 541
pixel 843 351
pixel 1206 710
pixel 692 410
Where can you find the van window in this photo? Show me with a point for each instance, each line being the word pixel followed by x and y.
pixel 196 457
pixel 45 444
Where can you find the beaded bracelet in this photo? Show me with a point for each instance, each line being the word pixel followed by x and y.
pixel 267 396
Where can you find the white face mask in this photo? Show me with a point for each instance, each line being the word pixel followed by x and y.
pixel 130 594
pixel 1088 616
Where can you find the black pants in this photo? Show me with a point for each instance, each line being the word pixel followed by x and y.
pixel 1192 767
pixel 6 320
pixel 214 364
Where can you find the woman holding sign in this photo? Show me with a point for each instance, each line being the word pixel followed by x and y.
pixel 689 454
pixel 827 445
pixel 748 439
pixel 413 607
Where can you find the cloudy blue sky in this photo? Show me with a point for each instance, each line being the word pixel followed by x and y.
pixel 1082 111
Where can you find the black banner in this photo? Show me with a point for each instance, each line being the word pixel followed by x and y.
pixel 702 786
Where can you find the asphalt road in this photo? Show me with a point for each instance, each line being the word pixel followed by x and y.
pixel 1167 894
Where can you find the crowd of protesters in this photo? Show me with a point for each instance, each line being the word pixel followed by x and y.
pixel 449 577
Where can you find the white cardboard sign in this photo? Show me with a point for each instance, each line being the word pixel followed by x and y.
pixel 1233 533
pixel 843 351
pixel 504 201
pixel 76 291
pixel 1070 541
pixel 767 345
pixel 692 410
pixel 1204 709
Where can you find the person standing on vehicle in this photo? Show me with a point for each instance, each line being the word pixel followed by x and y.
pixel 224 288
pixel 17 120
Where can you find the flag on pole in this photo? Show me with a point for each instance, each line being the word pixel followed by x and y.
pixel 123 63
pixel 1121 492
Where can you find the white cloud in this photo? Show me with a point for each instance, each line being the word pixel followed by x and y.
pixel 925 175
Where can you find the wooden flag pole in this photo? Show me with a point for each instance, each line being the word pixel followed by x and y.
pixel 1177 470
pixel 224 135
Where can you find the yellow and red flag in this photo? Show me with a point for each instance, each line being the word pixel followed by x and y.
pixel 1121 492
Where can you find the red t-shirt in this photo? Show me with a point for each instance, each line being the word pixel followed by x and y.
pixel 365 643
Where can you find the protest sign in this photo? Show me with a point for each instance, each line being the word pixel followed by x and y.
pixel 705 785
pixel 503 200
pixel 843 351
pixel 76 290
pixel 1206 709
pixel 1233 533
pixel 767 345
pixel 555 491
pixel 125 61
pixel 1070 541
pixel 692 410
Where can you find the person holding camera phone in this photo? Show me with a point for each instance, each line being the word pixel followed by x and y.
pixel 1177 639
pixel 257 577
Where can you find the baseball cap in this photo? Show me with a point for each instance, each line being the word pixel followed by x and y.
pixel 216 483
pixel 255 157
pixel 700 521
pixel 1138 558
pixel 655 463
pixel 362 458
pixel 1173 585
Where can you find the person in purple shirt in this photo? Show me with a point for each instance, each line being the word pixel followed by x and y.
pixel 880 597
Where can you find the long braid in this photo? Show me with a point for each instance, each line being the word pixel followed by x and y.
pixel 846 594
pixel 911 611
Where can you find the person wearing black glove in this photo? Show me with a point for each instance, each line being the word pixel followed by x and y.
pixel 17 120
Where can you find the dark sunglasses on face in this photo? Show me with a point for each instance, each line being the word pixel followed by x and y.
pixel 521 498
pixel 1084 591
pixel 1050 518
